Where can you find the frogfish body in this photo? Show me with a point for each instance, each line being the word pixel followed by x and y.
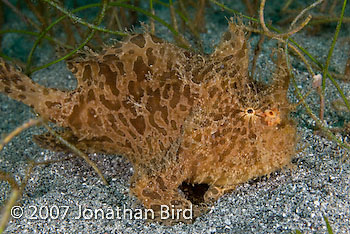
pixel 181 118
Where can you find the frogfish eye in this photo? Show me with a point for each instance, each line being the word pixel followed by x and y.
pixel 250 111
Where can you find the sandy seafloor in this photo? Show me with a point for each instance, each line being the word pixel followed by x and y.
pixel 298 198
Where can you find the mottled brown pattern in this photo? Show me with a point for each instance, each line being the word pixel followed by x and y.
pixel 179 117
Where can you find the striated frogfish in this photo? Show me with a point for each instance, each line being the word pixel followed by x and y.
pixel 193 125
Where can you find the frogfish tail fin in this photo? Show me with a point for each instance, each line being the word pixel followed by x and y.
pixel 16 85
